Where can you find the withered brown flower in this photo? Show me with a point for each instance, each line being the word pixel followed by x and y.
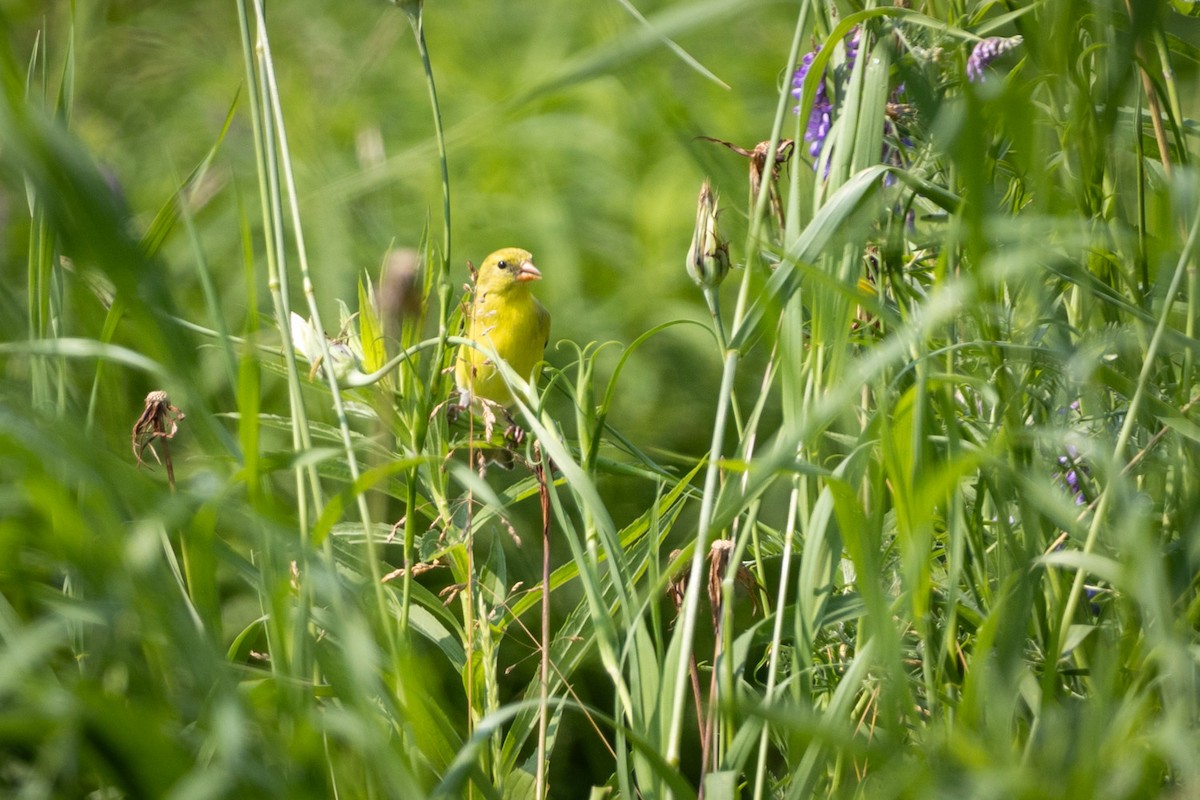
pixel 758 168
pixel 159 420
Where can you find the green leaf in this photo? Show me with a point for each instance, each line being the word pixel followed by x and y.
pixel 370 330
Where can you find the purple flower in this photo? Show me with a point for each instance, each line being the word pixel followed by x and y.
pixel 1069 474
pixel 852 49
pixel 820 120
pixel 823 108
pixel 986 52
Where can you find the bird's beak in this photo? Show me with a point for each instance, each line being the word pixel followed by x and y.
pixel 528 272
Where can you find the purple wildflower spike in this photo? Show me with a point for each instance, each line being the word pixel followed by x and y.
pixel 820 120
pixel 852 49
pixel 821 113
pixel 986 52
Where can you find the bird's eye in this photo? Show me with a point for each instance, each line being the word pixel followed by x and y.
pixel 503 265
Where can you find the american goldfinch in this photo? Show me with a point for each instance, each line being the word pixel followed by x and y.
pixel 506 318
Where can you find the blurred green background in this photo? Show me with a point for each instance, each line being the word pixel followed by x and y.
pixel 571 132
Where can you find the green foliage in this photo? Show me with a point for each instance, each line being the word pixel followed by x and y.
pixel 904 507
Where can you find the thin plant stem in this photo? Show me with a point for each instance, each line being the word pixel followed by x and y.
pixel 1168 77
pixel 343 424
pixel 264 149
pixel 541 788
pixel 691 601
pixel 418 25
pixel 469 622
pixel 759 212
pixel 789 537
pixel 1156 117
pixel 442 285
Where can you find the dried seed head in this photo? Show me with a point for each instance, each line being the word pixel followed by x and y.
pixel 708 256
pixel 718 561
pixel 760 173
pixel 719 555
pixel 718 565
pixel 418 569
pixel 159 420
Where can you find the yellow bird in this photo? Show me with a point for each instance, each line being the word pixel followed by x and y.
pixel 506 318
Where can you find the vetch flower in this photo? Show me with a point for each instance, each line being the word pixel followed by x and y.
pixel 852 50
pixel 1071 473
pixel 820 120
pixel 708 255
pixel 821 115
pixel 986 52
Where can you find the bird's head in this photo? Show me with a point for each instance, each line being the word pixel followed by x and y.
pixel 506 269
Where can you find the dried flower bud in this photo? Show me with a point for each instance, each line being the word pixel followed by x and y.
pixel 400 289
pixel 708 256
pixel 719 555
pixel 159 421
pixel 718 561
pixel 758 168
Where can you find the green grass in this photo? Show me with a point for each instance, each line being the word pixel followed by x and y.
pixel 905 507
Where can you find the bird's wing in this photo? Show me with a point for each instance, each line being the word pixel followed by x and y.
pixel 467 304
pixel 543 319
